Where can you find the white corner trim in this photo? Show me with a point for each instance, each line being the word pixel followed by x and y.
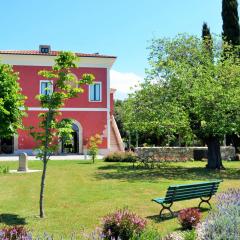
pixel 69 109
pixel 108 110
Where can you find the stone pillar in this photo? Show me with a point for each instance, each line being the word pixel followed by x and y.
pixel 23 162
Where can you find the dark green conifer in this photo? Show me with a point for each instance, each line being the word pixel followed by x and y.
pixel 231 28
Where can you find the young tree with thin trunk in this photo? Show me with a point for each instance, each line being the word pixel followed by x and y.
pixel 189 93
pixel 231 28
pixel 52 129
pixel 11 102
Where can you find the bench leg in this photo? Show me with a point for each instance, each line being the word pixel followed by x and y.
pixel 205 201
pixel 166 207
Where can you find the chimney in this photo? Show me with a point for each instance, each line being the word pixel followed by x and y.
pixel 44 49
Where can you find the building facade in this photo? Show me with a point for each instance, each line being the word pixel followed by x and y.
pixel 91 111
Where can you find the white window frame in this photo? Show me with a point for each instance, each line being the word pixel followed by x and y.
pixel 45 81
pixel 89 92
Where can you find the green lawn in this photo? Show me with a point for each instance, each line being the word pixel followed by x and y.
pixel 79 193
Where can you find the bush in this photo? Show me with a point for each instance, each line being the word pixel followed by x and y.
pixel 4 169
pixel 121 157
pixel 93 144
pixel 224 222
pixel 189 218
pixel 122 224
pixel 15 233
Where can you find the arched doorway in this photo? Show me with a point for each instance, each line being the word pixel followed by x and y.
pixel 75 145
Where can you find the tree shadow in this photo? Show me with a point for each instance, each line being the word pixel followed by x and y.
pixel 166 171
pixel 12 219
pixel 86 163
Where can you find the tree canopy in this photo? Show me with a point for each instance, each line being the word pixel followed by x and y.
pixel 188 91
pixel 11 102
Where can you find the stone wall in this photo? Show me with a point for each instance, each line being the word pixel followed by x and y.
pixel 181 154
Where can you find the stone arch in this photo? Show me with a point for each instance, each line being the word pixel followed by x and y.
pixel 79 131
pixel 80 136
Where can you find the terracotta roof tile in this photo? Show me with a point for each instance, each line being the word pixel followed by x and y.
pixel 51 53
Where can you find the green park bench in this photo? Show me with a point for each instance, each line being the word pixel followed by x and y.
pixel 202 190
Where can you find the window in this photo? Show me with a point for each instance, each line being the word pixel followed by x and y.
pixel 46 87
pixel 95 92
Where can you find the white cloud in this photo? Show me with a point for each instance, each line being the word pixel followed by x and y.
pixel 123 82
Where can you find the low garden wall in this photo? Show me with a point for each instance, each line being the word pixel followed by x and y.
pixel 180 154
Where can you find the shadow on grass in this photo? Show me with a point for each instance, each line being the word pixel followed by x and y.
pixel 12 219
pixel 166 171
pixel 168 216
pixel 86 163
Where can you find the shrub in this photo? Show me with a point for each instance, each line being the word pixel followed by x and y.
pixel 189 218
pixel 120 157
pixel 122 224
pixel 93 144
pixel 15 233
pixel 4 169
pixel 224 222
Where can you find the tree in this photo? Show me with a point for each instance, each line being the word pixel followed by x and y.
pixel 231 28
pixel 52 129
pixel 93 144
pixel 11 102
pixel 189 93
pixel 207 38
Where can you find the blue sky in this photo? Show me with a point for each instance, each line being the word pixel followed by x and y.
pixel 122 28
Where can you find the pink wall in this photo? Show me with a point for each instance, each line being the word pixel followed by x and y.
pixel 91 122
pixel 30 83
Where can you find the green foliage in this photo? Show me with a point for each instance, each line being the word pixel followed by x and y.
pixel 11 101
pixel 93 144
pixel 120 157
pixel 148 234
pixel 190 235
pixel 118 114
pixel 186 93
pixel 207 38
pixel 4 169
pixel 231 28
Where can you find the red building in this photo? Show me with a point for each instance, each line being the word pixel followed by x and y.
pixel 92 111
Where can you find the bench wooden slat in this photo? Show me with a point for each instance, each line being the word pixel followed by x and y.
pixel 182 191
pixel 195 189
pixel 195 184
pixel 193 195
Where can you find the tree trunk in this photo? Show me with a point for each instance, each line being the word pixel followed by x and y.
pixel 214 153
pixel 45 160
pixel 42 214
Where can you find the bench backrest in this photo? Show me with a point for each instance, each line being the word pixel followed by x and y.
pixel 190 191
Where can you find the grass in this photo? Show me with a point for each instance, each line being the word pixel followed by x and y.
pixel 79 193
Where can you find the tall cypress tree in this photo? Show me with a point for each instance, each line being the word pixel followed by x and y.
pixel 231 28
pixel 207 38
